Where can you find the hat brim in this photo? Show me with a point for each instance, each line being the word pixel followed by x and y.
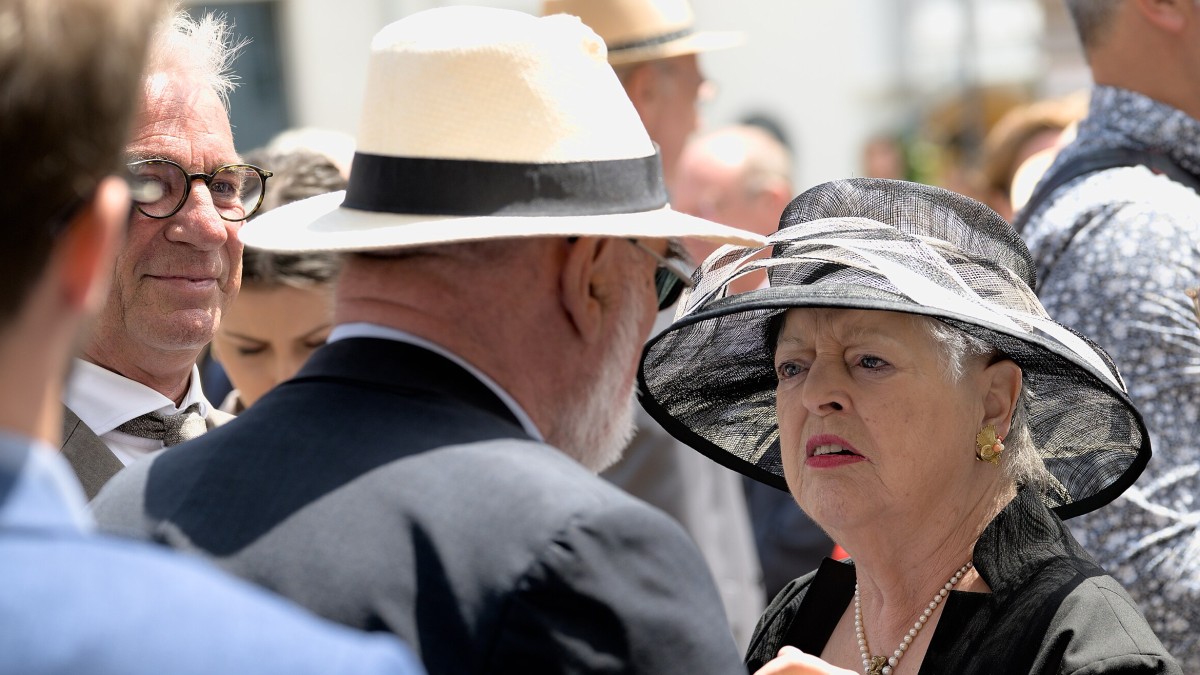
pixel 749 314
pixel 695 43
pixel 321 223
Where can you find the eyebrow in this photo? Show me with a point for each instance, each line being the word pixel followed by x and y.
pixel 309 334
pixel 143 156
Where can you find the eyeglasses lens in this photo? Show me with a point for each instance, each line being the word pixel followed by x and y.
pixel 160 188
pixel 669 287
pixel 235 191
pixel 157 187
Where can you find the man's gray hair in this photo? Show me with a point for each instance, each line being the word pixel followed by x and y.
pixel 202 48
pixel 1021 461
pixel 1092 18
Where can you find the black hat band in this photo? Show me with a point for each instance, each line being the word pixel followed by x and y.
pixel 459 187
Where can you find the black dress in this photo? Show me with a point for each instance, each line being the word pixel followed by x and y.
pixel 1052 609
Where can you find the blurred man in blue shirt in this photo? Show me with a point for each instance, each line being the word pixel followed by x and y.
pixel 76 602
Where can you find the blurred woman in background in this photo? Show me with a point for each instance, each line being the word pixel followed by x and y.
pixel 285 308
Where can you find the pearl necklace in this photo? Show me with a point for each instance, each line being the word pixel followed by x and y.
pixel 878 665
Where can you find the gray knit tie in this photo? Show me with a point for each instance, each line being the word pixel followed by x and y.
pixel 170 429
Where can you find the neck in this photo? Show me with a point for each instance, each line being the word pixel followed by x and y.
pixel 33 366
pixel 168 373
pixel 899 575
pixel 510 342
pixel 1151 62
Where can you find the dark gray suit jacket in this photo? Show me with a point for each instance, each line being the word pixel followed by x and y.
pixel 386 488
pixel 91 460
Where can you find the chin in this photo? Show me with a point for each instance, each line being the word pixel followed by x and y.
pixel 186 329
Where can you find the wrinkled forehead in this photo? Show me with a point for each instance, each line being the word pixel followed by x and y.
pixel 182 119
pixel 805 325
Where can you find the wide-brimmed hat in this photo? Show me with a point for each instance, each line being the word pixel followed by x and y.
pixel 483 123
pixel 644 30
pixel 890 245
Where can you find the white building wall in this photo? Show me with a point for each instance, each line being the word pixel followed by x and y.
pixel 831 72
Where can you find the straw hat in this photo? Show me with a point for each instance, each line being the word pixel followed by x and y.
pixel 483 123
pixel 643 30
pixel 890 245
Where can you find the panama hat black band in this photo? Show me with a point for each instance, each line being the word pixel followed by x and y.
pixel 460 187
pixel 651 41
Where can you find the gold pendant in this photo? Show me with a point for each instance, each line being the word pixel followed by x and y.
pixel 877 664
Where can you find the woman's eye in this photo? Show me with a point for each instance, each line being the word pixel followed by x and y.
pixel 251 351
pixel 787 370
pixel 871 362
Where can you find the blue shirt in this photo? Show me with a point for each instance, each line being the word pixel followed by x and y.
pixel 78 602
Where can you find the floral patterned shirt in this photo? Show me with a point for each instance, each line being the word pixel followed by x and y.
pixel 1123 278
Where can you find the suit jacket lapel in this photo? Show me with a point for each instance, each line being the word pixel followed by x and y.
pixel 90 458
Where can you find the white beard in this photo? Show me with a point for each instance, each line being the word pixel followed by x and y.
pixel 596 422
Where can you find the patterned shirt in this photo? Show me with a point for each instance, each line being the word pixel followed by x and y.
pixel 1118 253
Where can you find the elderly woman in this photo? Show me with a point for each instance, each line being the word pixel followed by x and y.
pixel 900 378
pixel 284 310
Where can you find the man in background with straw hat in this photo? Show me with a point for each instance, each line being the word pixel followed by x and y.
pixel 654 48
pixel 75 601
pixel 430 471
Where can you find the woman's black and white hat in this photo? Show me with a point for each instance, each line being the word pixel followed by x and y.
pixel 890 245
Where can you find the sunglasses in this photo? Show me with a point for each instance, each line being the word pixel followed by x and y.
pixel 672 274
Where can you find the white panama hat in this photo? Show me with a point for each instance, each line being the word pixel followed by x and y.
pixel 644 30
pixel 483 123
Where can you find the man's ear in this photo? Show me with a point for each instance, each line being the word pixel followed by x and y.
pixel 584 285
pixel 1169 15
pixel 84 255
pixel 1003 382
pixel 641 85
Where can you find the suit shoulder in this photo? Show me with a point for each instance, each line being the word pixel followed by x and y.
pixel 543 478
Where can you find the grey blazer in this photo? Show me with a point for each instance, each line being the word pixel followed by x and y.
pixel 94 464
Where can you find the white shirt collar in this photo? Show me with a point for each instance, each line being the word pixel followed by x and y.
pixel 104 400
pixel 371 330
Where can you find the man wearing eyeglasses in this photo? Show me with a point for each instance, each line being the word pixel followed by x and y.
pixel 135 388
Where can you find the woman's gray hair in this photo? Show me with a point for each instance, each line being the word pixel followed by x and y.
pixel 202 48
pixel 298 174
pixel 1021 461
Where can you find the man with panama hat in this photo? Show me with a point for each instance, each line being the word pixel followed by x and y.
pixel 653 46
pixel 430 470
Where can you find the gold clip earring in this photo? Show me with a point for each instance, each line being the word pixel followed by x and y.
pixel 990 446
